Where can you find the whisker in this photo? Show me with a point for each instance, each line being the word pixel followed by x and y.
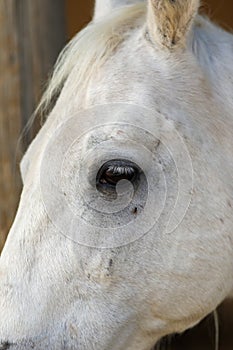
pixel 216 325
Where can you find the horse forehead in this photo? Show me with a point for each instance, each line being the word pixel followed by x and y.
pixel 143 76
pixel 137 74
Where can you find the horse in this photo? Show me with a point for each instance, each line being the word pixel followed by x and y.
pixel 123 233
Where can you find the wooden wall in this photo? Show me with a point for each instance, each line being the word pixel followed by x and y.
pixel 220 11
pixel 78 13
pixel 31 36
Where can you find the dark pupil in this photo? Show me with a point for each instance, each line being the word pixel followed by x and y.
pixel 113 174
pixel 114 171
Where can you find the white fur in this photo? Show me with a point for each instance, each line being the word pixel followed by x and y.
pixel 105 7
pixel 55 294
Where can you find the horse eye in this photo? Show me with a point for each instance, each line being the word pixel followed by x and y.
pixel 114 171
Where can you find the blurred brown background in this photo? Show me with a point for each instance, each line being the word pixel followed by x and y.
pixel 32 33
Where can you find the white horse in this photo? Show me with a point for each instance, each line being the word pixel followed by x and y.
pixel 124 229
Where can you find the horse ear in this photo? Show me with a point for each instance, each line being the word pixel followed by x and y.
pixel 169 21
pixel 103 7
